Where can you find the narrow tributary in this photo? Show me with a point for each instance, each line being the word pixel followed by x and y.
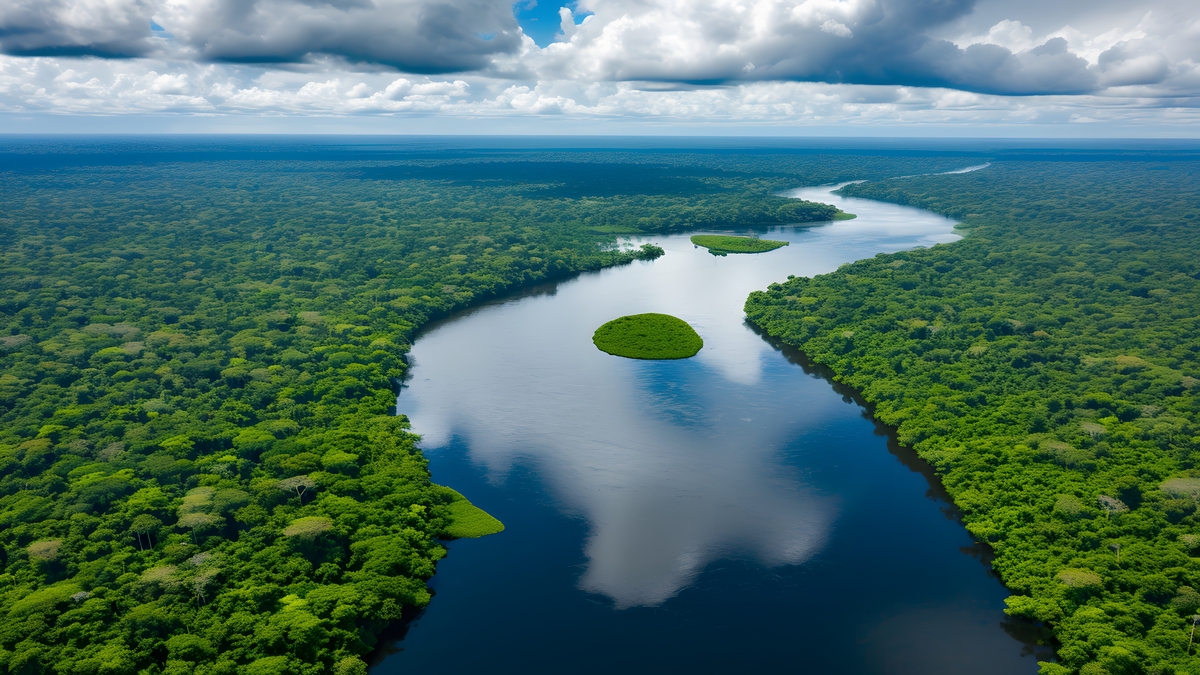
pixel 727 513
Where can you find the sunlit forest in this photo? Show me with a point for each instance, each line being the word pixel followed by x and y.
pixel 200 470
pixel 1048 366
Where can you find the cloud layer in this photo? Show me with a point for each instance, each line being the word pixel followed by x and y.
pixel 707 59
pixel 417 36
pixel 852 42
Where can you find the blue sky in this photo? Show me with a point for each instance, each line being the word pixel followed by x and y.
pixel 708 67
pixel 539 20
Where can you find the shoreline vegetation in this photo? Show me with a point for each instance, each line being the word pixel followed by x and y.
pixel 468 521
pixel 1047 366
pixel 649 337
pixel 722 244
pixel 200 470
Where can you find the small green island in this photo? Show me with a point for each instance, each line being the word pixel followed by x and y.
pixel 722 244
pixel 648 336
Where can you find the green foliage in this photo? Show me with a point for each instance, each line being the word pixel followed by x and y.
pixel 1047 366
pixel 718 244
pixel 198 466
pixel 651 252
pixel 308 527
pixel 648 336
pixel 350 666
pixel 468 520
pixel 199 470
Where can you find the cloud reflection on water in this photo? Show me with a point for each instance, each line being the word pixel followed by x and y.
pixel 672 464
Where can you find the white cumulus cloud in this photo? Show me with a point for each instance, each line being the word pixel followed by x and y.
pixel 763 61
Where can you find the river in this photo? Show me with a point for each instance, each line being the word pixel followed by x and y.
pixel 726 513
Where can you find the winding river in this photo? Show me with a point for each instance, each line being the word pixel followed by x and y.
pixel 733 512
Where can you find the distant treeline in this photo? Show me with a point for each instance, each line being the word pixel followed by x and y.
pixel 1048 366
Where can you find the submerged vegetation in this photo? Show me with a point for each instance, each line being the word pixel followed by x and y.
pixel 1048 366
pixel 199 467
pixel 648 336
pixel 721 244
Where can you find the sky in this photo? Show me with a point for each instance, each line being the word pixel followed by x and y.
pixel 1015 68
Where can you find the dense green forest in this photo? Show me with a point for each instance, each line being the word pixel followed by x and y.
pixel 200 471
pixel 1048 366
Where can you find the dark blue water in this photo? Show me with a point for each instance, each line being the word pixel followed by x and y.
pixel 726 513
pixel 897 590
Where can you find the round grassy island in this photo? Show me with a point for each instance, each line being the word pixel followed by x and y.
pixel 721 244
pixel 648 336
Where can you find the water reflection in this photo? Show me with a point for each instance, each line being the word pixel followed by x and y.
pixel 672 464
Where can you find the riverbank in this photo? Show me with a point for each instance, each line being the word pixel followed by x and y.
pixel 686 511
pixel 990 360
pixel 201 340
pixel 200 350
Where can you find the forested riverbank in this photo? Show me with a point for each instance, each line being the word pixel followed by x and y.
pixel 200 471
pixel 1048 366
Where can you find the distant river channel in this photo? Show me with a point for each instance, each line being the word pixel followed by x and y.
pixel 735 512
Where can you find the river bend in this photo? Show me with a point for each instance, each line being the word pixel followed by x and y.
pixel 717 514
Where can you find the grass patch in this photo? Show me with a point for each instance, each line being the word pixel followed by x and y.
pixel 648 336
pixel 468 521
pixel 721 244
pixel 842 215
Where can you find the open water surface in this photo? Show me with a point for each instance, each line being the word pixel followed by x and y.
pixel 733 512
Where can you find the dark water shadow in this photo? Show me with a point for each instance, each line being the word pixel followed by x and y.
pixel 1035 638
pixel 389 640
